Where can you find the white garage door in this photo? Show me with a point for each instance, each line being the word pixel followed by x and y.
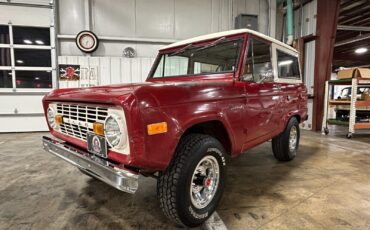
pixel 27 65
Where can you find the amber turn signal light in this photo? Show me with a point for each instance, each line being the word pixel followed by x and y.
pixel 98 128
pixel 157 128
pixel 59 119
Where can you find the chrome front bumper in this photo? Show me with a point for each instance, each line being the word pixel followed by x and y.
pixel 112 174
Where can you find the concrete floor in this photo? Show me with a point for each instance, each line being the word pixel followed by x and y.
pixel 326 187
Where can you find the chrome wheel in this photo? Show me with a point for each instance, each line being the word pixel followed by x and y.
pixel 293 137
pixel 204 182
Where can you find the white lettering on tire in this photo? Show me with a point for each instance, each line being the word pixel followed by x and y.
pixel 219 153
pixel 196 215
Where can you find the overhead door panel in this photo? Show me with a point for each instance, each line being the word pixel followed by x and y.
pixel 27 66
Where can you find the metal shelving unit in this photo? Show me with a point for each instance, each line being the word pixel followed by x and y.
pixel 353 103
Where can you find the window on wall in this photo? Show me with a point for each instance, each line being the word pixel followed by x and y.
pixel 33 79
pixel 5 79
pixel 25 57
pixel 288 66
pixel 32 57
pixel 4 34
pixel 5 59
pixel 31 36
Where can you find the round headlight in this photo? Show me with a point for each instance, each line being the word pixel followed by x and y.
pixel 112 132
pixel 51 117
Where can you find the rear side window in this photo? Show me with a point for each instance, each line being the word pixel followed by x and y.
pixel 288 66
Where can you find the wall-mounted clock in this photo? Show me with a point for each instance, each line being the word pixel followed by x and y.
pixel 87 41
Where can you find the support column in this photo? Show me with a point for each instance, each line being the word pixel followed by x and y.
pixel 327 15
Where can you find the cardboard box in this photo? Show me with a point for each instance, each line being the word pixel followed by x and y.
pixel 354 72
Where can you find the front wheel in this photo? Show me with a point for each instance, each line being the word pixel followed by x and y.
pixel 191 187
pixel 285 145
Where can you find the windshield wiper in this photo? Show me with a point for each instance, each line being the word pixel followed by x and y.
pixel 181 50
pixel 211 44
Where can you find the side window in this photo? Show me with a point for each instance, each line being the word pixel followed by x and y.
pixel 288 66
pixel 205 68
pixel 171 66
pixel 222 57
pixel 258 65
pixel 159 71
pixel 175 65
pixel 248 68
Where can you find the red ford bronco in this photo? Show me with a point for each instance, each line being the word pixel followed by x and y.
pixel 205 97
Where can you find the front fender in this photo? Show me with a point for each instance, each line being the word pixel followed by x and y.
pixel 209 117
pixel 161 147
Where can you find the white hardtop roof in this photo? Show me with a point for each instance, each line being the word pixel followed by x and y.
pixel 227 33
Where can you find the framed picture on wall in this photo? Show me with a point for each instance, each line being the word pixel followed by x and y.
pixel 69 72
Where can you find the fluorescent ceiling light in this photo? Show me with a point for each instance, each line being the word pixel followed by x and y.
pixel 27 41
pixel 361 50
pixel 39 42
pixel 287 62
pixel 19 61
pixel 37 78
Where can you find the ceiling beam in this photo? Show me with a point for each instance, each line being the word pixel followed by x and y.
pixel 359 10
pixel 352 57
pixel 351 4
pixel 352 40
pixel 354 19
pixel 353 28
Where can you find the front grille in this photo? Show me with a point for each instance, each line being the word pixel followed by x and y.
pixel 79 119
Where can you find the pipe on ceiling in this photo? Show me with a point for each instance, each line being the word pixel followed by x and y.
pixel 289 23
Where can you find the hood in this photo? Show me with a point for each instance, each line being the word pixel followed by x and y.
pixel 109 94
pixel 149 94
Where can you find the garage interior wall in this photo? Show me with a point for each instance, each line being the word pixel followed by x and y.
pixel 122 23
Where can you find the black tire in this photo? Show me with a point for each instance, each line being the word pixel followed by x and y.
pixel 174 184
pixel 280 144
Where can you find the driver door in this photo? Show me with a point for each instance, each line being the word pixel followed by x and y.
pixel 263 102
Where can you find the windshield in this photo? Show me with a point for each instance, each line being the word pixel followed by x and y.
pixel 217 57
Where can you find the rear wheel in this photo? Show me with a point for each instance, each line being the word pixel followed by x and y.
pixel 285 145
pixel 191 187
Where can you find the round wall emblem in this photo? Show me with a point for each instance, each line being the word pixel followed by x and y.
pixel 96 144
pixel 129 52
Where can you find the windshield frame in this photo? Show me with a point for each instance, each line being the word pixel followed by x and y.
pixel 203 43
